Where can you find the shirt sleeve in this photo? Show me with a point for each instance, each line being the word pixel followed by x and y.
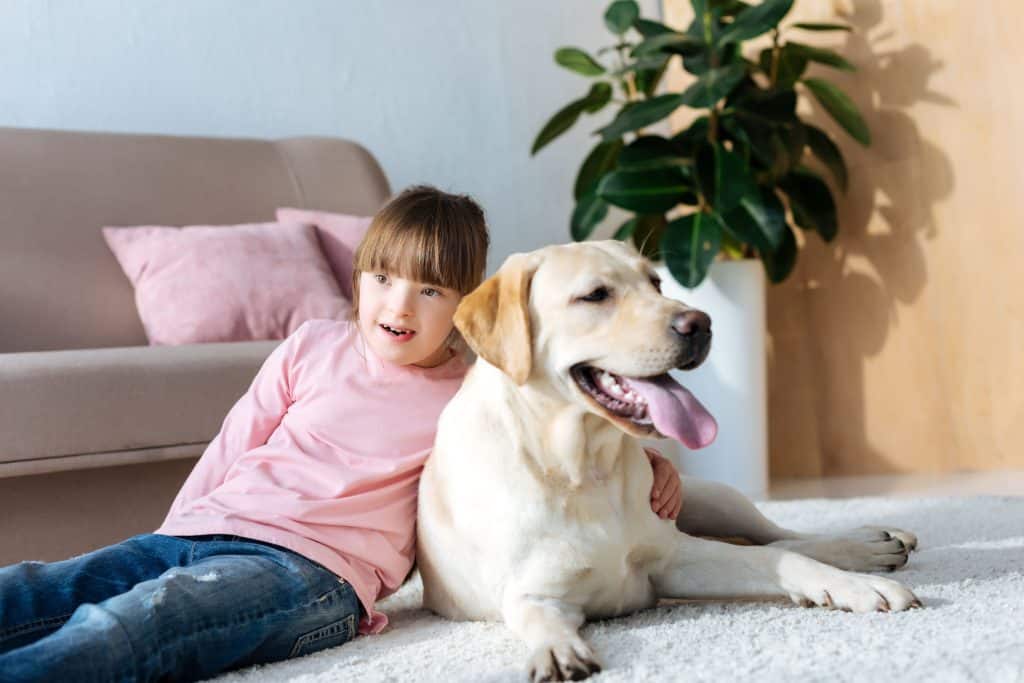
pixel 248 424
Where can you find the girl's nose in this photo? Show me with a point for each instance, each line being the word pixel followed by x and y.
pixel 400 300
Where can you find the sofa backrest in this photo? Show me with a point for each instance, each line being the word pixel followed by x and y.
pixel 62 288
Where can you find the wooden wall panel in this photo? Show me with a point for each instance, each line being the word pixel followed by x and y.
pixel 900 347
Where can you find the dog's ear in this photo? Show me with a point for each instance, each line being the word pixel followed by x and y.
pixel 494 318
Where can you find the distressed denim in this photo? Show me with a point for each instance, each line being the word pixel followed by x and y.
pixel 178 608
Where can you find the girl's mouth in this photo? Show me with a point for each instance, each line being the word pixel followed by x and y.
pixel 398 334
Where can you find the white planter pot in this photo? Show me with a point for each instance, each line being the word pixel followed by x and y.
pixel 731 383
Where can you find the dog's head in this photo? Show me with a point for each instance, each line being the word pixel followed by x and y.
pixel 587 320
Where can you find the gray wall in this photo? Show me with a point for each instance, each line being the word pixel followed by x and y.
pixel 447 92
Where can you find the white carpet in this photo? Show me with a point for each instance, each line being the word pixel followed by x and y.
pixel 968 572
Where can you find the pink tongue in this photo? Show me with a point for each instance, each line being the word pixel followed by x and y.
pixel 675 411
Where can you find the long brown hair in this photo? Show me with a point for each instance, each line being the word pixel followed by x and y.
pixel 426 235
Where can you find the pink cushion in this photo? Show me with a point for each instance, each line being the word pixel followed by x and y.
pixel 339 236
pixel 226 283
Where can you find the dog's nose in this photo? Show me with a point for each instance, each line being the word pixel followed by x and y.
pixel 690 324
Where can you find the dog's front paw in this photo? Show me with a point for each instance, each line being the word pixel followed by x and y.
pixel 855 593
pixel 886 532
pixel 864 549
pixel 569 660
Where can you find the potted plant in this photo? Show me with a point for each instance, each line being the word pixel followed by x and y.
pixel 723 195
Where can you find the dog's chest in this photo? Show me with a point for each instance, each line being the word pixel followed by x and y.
pixel 619 581
pixel 604 566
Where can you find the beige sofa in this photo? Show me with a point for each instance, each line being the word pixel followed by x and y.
pixel 99 430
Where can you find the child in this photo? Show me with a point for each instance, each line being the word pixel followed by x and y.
pixel 301 512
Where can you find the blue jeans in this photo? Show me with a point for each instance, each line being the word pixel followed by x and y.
pixel 158 607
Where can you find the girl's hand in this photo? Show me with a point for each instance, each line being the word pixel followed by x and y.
pixel 667 492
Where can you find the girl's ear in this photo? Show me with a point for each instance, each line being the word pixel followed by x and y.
pixel 494 318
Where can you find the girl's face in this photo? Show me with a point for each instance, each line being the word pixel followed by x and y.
pixel 406 322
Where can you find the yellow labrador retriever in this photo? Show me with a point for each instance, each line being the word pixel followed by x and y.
pixel 534 506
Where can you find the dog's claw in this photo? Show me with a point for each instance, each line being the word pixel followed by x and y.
pixel 563 662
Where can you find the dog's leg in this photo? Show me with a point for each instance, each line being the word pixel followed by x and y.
pixel 550 628
pixel 718 511
pixel 699 568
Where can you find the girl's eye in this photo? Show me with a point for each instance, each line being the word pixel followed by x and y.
pixel 431 292
pixel 381 278
pixel 598 295
pixel 657 283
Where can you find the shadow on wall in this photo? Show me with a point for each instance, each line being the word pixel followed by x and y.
pixel 837 309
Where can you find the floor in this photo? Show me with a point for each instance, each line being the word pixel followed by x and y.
pixel 995 483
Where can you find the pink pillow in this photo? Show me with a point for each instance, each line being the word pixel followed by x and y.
pixel 339 236
pixel 226 283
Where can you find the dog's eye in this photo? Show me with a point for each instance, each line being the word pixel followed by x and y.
pixel 656 281
pixel 599 294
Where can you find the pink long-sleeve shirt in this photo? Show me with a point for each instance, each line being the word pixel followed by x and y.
pixel 322 455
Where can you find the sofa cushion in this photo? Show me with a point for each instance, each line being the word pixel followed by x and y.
pixel 205 283
pixel 62 403
pixel 339 235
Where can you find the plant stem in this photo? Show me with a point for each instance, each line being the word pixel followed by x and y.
pixel 774 75
pixel 707 37
pixel 629 82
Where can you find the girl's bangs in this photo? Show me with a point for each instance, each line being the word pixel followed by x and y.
pixel 413 255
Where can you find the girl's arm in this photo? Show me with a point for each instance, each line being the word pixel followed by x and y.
pixel 248 424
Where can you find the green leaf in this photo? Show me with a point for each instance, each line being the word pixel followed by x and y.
pixel 651 151
pixel 577 60
pixel 700 63
pixel 713 86
pixel 778 264
pixel 810 26
pixel 600 94
pixel 730 130
pixel 778 104
pixel 730 7
pixel 841 108
pixel 620 16
pixel 789 70
pixel 647 79
pixel 756 20
pixel 601 159
pixel 764 144
pixel 828 153
pixel 645 63
pixel 648 191
pixel 723 177
pixel 648 233
pixel 648 28
pixel 589 211
pixel 811 202
pixel 819 55
pixel 758 220
pixel 564 118
pixel 626 230
pixel 675 43
pixel 558 124
pixel 641 114
pixel 794 140
pixel 690 139
pixel 690 245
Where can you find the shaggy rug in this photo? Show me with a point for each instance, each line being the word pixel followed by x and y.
pixel 968 572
